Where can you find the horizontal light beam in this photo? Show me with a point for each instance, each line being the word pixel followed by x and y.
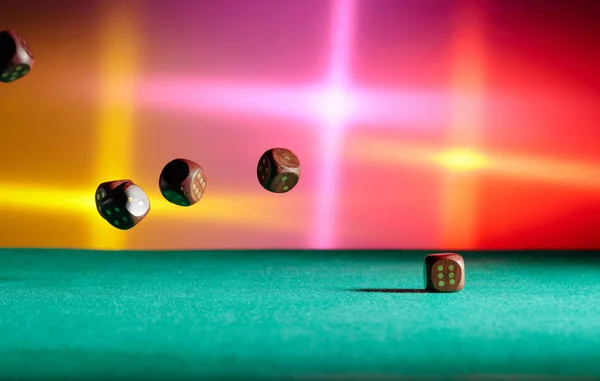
pixel 231 209
pixel 384 108
pixel 565 172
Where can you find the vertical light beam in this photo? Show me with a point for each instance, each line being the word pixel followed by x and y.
pixel 468 81
pixel 342 16
pixel 114 138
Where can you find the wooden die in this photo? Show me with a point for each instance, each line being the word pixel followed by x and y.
pixel 444 272
pixel 16 58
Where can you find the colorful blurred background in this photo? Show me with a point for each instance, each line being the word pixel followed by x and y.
pixel 418 123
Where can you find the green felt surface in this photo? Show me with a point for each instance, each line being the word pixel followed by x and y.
pixel 284 314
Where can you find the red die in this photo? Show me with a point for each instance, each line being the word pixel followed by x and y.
pixel 444 272
pixel 182 182
pixel 16 58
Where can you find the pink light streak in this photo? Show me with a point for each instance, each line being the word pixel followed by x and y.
pixel 408 108
pixel 324 105
pixel 333 134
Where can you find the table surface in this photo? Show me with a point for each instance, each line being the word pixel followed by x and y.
pixel 293 314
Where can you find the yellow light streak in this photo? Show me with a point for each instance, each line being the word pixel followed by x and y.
pixel 34 197
pixel 565 172
pixel 461 160
pixel 231 209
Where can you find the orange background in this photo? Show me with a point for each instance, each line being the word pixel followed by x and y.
pixel 419 124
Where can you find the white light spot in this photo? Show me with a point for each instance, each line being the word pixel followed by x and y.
pixel 334 105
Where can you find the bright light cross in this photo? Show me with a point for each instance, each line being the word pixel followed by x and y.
pixel 333 105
